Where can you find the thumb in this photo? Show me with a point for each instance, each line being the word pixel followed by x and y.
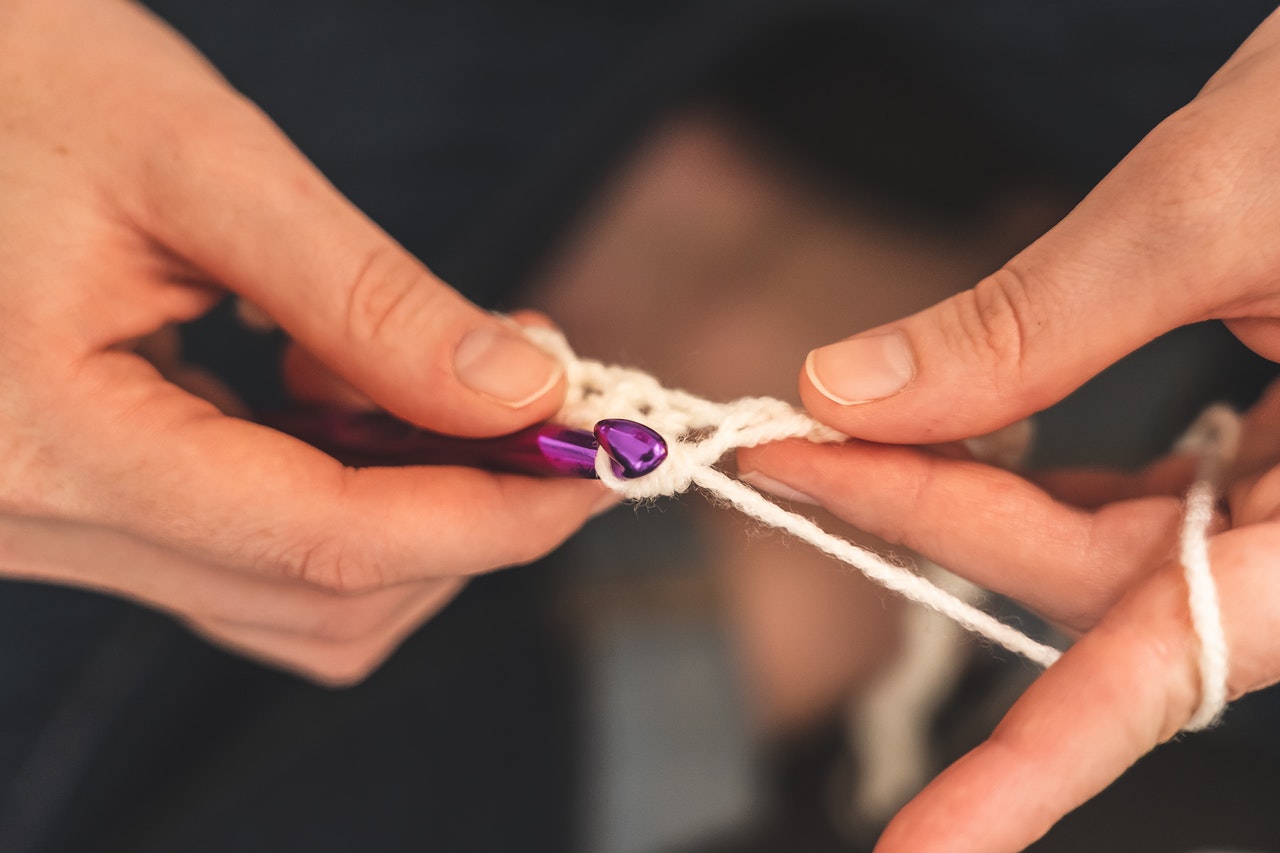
pixel 1173 235
pixel 976 362
pixel 253 214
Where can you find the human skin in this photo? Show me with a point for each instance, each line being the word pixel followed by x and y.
pixel 136 190
pixel 1181 231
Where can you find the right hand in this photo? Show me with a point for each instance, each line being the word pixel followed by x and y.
pixel 136 190
pixel 1181 231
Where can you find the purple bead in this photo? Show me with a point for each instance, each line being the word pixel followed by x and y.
pixel 635 449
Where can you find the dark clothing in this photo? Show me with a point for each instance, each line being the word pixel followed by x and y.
pixel 472 131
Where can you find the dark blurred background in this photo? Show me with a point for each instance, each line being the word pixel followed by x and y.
pixel 592 702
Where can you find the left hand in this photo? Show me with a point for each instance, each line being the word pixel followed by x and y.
pixel 136 190
pixel 1094 552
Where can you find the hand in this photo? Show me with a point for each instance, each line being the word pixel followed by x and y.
pixel 135 190
pixel 1179 232
pixel 1101 571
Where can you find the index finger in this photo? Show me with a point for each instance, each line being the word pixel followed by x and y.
pixel 986 524
pixel 156 462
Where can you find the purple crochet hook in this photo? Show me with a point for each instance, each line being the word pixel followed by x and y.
pixel 549 450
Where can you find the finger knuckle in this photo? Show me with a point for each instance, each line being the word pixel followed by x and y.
pixel 386 297
pixel 1195 171
pixel 331 549
pixel 919 491
pixel 1197 186
pixel 995 320
pixel 328 561
pixel 188 144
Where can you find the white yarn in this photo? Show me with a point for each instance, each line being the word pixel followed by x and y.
pixel 1215 437
pixel 889 722
pixel 700 432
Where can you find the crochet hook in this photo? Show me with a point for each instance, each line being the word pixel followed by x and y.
pixel 363 438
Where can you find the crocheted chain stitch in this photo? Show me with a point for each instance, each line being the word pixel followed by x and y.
pixel 700 432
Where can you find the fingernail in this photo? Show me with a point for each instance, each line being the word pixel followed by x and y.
pixel 775 488
pixel 504 366
pixel 860 370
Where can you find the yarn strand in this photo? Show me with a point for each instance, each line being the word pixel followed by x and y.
pixel 893 577
pixel 1214 437
pixel 700 432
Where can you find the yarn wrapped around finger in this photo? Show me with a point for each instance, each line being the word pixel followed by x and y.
pixel 699 433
